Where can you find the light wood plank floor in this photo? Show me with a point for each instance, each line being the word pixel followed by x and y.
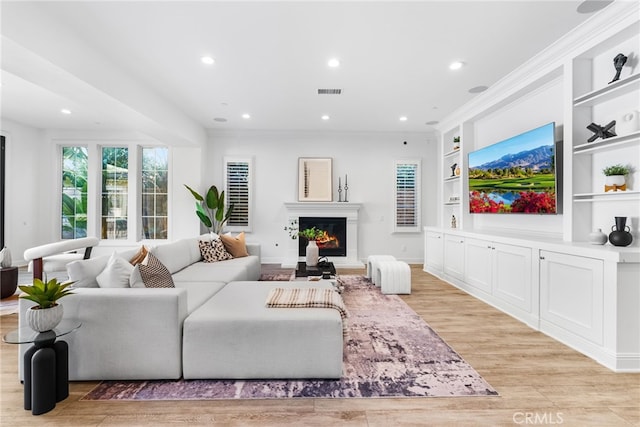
pixel 540 381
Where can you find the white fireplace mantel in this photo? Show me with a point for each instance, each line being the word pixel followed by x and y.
pixel 346 210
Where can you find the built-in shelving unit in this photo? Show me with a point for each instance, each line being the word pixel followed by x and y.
pixel 451 176
pixel 612 196
pixel 596 100
pixel 595 97
pixel 582 294
pixel 608 144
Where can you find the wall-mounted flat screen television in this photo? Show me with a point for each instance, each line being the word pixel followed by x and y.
pixel 517 175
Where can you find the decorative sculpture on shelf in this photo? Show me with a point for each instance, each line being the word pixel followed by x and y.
pixel 618 62
pixel 339 189
pixel 603 132
pixel 453 169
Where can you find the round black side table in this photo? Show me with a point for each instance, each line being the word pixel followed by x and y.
pixel 46 365
pixel 8 281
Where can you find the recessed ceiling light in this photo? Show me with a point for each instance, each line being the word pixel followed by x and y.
pixel 456 65
pixel 591 6
pixel 207 60
pixel 333 62
pixel 478 89
pixel 65 111
pixel 403 118
pixel 325 117
pixel 246 116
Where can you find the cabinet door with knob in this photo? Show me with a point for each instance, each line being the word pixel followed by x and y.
pixel 512 277
pixel 433 252
pixel 454 256
pixel 478 264
pixel 504 271
pixel 571 294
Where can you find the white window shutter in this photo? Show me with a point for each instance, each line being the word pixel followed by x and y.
pixel 238 191
pixel 407 196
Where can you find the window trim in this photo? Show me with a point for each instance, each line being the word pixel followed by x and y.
pixel 139 191
pixel 416 228
pixel 249 160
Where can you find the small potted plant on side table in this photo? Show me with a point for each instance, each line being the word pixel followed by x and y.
pixel 615 177
pixel 47 314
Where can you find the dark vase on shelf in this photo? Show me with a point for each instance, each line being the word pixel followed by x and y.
pixel 620 235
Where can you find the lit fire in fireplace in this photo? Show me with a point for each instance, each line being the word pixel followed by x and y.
pixel 327 241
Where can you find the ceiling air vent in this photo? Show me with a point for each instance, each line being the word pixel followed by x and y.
pixel 329 91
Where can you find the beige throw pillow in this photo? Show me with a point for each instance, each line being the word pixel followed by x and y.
pixel 236 246
pixel 139 256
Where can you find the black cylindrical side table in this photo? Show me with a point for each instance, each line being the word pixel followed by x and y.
pixel 8 281
pixel 46 365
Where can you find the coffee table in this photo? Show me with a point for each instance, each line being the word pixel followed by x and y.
pixel 302 270
pixel 46 365
pixel 324 272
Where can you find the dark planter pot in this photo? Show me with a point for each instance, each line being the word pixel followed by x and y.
pixel 620 235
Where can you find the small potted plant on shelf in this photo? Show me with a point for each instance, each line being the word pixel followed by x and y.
pixel 615 177
pixel 456 142
pixel 48 312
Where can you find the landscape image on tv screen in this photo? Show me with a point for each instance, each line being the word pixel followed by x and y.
pixel 517 175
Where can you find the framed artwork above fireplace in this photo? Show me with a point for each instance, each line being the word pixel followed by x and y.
pixel 315 179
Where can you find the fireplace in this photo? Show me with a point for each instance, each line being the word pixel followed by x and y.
pixel 334 241
pixel 326 210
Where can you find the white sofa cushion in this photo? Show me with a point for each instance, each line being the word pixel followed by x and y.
pixel 198 293
pixel 116 273
pixel 234 335
pixel 179 254
pixel 83 273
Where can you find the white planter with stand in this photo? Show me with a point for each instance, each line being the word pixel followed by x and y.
pixel 44 319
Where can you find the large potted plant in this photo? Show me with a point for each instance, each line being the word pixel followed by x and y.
pixel 615 177
pixel 210 209
pixel 48 312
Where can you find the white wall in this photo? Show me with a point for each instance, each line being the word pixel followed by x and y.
pixel 33 186
pixel 531 111
pixel 367 159
pixel 24 211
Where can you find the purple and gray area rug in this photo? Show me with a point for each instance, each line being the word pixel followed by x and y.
pixel 390 352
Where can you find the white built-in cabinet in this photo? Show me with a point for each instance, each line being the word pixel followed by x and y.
pixel 572 294
pixel 585 296
pixel 434 245
pixel 454 256
pixel 502 271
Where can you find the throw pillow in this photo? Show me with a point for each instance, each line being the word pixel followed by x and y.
pixel 236 246
pixel 213 251
pixel 154 274
pixel 139 256
pixel 83 273
pixel 115 274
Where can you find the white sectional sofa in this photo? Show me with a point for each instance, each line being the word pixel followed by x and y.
pixel 142 333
